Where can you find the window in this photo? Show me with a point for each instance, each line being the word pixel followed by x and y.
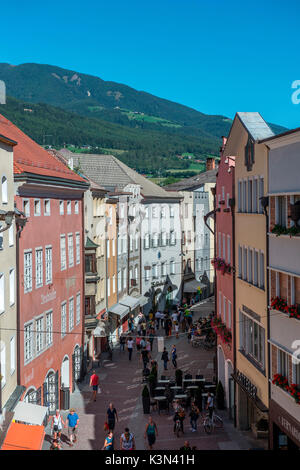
pixel 71 314
pixel 250 195
pixel 229 249
pixel 11 286
pixel 262 270
pixel 28 342
pixel 90 263
pixel 292 290
pixel 250 265
pixel 4 190
pixel 130 243
pixel 220 304
pixel 224 309
pixel 78 308
pixel 255 184
pixel 76 207
pixel 2 290
pixel 63 319
pixel 172 267
pixel 186 211
pixel 63 261
pixel 164 239
pixel 255 269
pixel 281 210
pixel 69 207
pixel 26 207
pixel 48 256
pixel 296 373
pixel 137 241
pixel 107 248
pixel 224 246
pixel 219 245
pixel 124 276
pixel 154 212
pixel 61 207
pixel 136 273
pixel 240 262
pixel 77 241
pixel 37 207
pixel 172 238
pixel 70 250
pixel 163 212
pixel 154 271
pixel 38 267
pixel 244 196
pixel 11 235
pixel 147 274
pixel 49 328
pixel 3 365
pixel 155 240
pixel 39 335
pixel 245 264
pixel 147 241
pixel 252 339
pixel 12 355
pixel 119 281
pixel 261 193
pixel 282 363
pixel 146 212
pixel 114 283
pixel 27 271
pixel 229 315
pixel 164 269
pixel 47 207
pixel 172 212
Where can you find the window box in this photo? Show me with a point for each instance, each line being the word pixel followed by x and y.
pixel 293 389
pixel 281 305
pixel 221 330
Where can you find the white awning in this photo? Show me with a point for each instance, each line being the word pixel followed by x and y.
pixel 99 331
pixel 193 286
pixel 143 300
pixel 120 310
pixel 129 301
pixel 30 413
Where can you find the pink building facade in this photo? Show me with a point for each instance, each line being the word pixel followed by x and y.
pixel 224 275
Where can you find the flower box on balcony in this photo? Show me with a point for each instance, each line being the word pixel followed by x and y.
pixel 281 230
pixel 221 330
pixel 293 311
pixel 294 389
pixel 220 265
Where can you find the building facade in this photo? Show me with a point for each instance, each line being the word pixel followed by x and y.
pixel 223 264
pixel 50 262
pixel 251 324
pixel 8 297
pixel 284 289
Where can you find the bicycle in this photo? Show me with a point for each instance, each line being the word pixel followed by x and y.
pixel 209 423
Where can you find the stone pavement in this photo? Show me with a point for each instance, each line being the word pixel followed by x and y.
pixel 121 383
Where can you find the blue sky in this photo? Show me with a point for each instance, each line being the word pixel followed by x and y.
pixel 216 56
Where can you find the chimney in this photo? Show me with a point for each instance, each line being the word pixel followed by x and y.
pixel 210 164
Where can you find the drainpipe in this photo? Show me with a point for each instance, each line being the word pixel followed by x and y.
pixel 268 313
pixel 234 300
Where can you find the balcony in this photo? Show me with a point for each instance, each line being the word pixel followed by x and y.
pixel 285 253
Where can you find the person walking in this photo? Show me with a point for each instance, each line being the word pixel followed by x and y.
pixel 112 416
pixel 122 342
pixel 194 415
pixel 109 442
pixel 73 421
pixel 151 338
pixel 210 404
pixel 145 357
pixel 174 356
pixel 176 327
pixel 57 424
pixel 94 383
pixel 151 432
pixel 130 347
pixel 165 358
pixel 127 441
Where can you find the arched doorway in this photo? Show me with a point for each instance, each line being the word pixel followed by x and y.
pixel 50 391
pixel 76 366
pixel 65 373
pixel 34 396
pixel 230 388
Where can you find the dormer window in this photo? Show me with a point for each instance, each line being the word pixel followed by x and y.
pixel 249 154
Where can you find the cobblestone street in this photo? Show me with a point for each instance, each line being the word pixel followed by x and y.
pixel 121 383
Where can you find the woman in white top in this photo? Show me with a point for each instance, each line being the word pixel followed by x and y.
pixel 127 440
pixel 56 424
pixel 130 346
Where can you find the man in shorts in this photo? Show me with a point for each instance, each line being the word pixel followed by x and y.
pixel 73 421
pixel 94 383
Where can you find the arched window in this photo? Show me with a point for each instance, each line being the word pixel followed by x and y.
pixel 4 190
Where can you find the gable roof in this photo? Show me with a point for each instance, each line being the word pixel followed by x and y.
pixel 114 175
pixel 31 158
pixel 189 184
pixel 255 125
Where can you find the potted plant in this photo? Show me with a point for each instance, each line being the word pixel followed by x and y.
pixel 220 396
pixel 146 400
pixel 261 428
pixel 178 377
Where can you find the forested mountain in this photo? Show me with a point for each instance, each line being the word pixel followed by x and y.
pixel 70 107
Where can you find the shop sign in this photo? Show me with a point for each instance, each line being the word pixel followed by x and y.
pixel 289 428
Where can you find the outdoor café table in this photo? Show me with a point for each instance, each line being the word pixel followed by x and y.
pixel 192 387
pixel 176 387
pixel 181 396
pixel 163 381
pixel 159 389
pixel 159 400
pixel 209 387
